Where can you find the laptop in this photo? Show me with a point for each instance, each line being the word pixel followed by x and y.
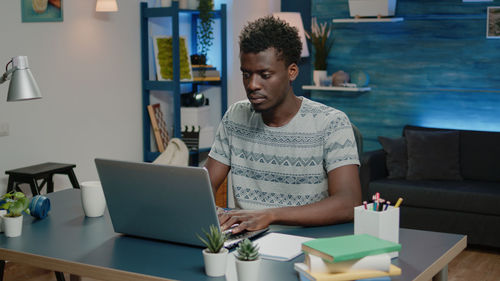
pixel 169 203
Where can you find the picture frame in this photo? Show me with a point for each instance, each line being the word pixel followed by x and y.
pixel 159 126
pixel 41 10
pixel 493 23
pixel 164 60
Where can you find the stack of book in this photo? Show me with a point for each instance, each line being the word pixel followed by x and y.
pixel 205 73
pixel 350 257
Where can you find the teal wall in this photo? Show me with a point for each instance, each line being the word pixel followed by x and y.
pixel 436 68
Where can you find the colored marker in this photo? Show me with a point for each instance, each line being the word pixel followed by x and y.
pixel 365 204
pixel 387 205
pixel 400 200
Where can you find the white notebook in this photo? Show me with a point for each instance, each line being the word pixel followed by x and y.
pixel 280 247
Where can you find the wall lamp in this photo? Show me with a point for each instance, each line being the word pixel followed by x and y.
pixel 22 84
pixel 106 6
pixel 295 20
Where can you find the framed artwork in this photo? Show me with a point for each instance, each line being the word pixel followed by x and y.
pixel 159 126
pixel 41 10
pixel 493 23
pixel 164 61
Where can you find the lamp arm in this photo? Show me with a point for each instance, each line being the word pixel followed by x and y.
pixel 5 76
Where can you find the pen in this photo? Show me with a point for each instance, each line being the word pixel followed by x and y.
pixel 400 200
pixel 387 205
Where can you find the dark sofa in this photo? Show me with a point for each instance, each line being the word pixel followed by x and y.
pixel 463 197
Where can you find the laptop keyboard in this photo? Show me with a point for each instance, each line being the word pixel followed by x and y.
pixel 233 239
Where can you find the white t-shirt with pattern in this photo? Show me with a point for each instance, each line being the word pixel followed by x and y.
pixel 283 166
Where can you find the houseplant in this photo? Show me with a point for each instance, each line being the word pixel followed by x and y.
pixel 15 203
pixel 247 261
pixel 204 31
pixel 322 39
pixel 215 254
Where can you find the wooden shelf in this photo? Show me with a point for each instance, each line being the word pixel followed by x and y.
pixel 358 20
pixel 342 89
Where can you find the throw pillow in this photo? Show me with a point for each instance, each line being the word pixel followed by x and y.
pixel 433 155
pixel 396 156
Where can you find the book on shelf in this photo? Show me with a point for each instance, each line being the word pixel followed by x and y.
pixel 348 247
pixel 306 275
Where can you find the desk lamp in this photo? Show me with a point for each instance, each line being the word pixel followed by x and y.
pixel 22 85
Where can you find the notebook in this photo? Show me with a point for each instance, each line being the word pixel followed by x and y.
pixel 168 203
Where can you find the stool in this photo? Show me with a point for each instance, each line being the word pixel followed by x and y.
pixel 44 172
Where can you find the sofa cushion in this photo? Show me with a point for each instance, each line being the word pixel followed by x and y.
pixel 466 196
pixel 480 154
pixel 433 155
pixel 396 156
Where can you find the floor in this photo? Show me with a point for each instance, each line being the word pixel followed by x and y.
pixel 470 265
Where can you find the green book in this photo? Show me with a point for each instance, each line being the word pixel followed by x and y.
pixel 349 247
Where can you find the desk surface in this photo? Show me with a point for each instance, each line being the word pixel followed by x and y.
pixel 68 241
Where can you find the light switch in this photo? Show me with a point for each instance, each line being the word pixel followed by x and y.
pixel 4 129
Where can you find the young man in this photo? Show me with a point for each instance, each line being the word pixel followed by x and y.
pixel 292 161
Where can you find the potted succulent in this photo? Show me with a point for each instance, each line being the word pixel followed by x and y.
pixel 15 203
pixel 215 255
pixel 322 39
pixel 247 261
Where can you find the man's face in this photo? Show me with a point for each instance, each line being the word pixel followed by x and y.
pixel 266 79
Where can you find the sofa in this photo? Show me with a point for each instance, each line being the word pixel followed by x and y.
pixel 449 180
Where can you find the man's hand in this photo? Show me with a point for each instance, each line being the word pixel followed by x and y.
pixel 250 220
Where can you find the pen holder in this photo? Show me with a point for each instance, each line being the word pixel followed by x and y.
pixel 383 224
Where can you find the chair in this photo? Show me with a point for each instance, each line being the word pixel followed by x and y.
pixel 359 139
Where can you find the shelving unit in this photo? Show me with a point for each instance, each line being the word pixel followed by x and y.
pixel 359 20
pixel 174 86
pixel 331 88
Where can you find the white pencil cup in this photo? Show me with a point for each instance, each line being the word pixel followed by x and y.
pixel 383 224
pixel 93 201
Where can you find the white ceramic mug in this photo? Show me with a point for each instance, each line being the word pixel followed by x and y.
pixel 93 201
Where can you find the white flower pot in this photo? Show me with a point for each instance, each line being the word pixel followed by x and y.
pixel 215 263
pixel 13 226
pixel 248 270
pixel 318 75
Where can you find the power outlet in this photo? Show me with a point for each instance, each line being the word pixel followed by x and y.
pixel 4 129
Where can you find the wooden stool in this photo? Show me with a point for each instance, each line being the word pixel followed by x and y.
pixel 44 172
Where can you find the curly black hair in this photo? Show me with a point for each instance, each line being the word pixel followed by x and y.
pixel 271 32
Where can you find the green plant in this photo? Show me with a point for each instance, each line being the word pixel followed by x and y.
pixel 15 203
pixel 322 39
pixel 247 251
pixel 214 239
pixel 204 32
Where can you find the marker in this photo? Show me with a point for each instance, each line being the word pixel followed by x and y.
pixel 400 200
pixel 365 204
pixel 387 205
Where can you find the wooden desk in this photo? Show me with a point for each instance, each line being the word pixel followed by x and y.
pixel 67 241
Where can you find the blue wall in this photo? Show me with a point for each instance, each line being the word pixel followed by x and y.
pixel 436 68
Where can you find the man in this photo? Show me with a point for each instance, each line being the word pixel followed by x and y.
pixel 292 161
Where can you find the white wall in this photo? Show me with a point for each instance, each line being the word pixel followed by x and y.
pixel 88 69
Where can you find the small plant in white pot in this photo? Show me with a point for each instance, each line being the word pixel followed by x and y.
pixel 247 261
pixel 15 203
pixel 215 255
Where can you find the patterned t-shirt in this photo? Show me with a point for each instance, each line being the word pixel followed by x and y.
pixel 283 166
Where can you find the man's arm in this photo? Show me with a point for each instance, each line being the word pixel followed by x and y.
pixel 344 194
pixel 217 172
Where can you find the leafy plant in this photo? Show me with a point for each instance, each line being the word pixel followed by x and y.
pixel 214 239
pixel 247 251
pixel 204 32
pixel 15 203
pixel 322 39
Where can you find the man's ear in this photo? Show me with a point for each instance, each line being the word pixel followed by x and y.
pixel 293 71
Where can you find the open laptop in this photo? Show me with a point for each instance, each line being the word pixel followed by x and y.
pixel 162 202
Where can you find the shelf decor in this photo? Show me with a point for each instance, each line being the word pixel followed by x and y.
pixel 164 60
pixel 322 39
pixel 372 8
pixel 493 23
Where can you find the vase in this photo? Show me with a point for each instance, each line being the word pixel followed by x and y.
pixel 13 226
pixel 215 263
pixel 248 270
pixel 318 75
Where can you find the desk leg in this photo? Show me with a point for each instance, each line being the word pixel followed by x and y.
pixel 442 275
pixel 2 267
pixel 59 276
